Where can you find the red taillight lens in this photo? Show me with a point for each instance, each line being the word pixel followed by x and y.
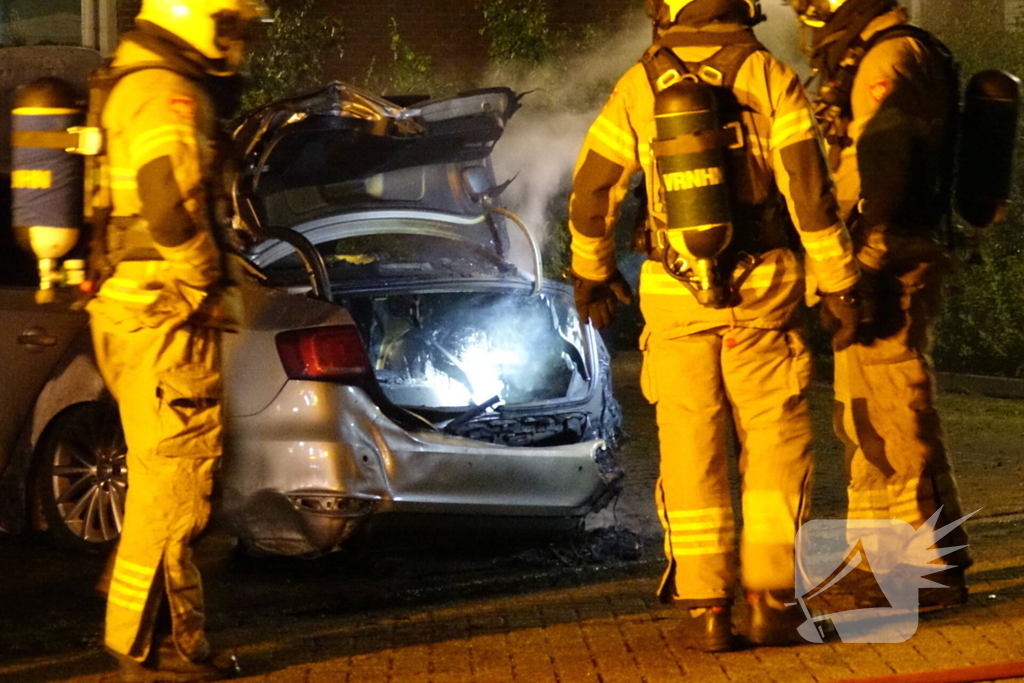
pixel 334 354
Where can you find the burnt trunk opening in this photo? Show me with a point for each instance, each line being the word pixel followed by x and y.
pixel 446 355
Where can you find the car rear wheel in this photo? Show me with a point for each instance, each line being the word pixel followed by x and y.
pixel 81 477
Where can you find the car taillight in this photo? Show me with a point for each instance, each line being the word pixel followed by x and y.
pixel 333 354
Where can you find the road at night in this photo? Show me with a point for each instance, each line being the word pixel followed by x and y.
pixel 562 610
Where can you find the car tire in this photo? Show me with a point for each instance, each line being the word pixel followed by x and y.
pixel 80 477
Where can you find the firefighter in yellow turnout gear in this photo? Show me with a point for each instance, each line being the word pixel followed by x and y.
pixel 746 358
pixel 887 108
pixel 158 318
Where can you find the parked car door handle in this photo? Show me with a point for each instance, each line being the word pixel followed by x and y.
pixel 36 339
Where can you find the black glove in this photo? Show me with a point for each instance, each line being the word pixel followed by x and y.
pixel 841 316
pixel 595 299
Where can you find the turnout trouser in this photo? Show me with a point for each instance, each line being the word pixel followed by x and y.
pixel 168 387
pixel 695 380
pixel 885 413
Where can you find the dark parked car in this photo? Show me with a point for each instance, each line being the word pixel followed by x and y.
pixel 393 363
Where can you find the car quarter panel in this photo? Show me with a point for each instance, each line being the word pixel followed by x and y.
pixel 253 370
pixel 318 437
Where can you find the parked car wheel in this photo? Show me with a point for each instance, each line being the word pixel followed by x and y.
pixel 80 477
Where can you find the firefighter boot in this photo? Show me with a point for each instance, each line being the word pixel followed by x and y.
pixel 131 671
pixel 708 629
pixel 952 592
pixel 774 618
pixel 170 667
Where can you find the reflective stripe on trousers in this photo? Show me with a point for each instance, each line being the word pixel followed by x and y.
pixel 885 412
pixel 694 380
pixel 167 385
pixel 897 462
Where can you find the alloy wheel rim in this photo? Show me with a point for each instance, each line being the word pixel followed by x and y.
pixel 90 480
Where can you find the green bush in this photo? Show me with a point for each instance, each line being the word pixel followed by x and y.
pixel 290 58
pixel 518 30
pixel 405 71
pixel 981 328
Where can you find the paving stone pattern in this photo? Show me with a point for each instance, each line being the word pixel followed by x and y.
pixel 608 633
pixel 616 631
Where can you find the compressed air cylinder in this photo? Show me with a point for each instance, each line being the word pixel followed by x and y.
pixel 46 181
pixel 696 194
pixel 987 143
pixel 691 163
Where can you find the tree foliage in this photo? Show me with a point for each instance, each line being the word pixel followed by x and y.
pixel 290 58
pixel 981 328
pixel 518 30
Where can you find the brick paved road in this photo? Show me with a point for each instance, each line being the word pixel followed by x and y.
pixel 609 633
pixel 577 628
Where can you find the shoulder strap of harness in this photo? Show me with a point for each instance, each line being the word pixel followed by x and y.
pixel 99 204
pixel 832 106
pixel 665 68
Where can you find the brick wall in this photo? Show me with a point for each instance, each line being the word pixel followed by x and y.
pixel 446 30
pixel 126 11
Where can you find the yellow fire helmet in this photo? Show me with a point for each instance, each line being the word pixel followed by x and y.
pixel 217 29
pixel 666 12
pixel 815 13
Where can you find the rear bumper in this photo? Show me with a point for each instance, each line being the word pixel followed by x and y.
pixel 300 476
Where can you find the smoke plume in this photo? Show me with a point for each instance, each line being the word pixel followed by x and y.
pixel 566 93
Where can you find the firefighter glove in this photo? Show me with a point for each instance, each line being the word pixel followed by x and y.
pixel 596 299
pixel 840 316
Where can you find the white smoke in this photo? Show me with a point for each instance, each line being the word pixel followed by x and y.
pixel 781 35
pixel 565 95
pixel 543 140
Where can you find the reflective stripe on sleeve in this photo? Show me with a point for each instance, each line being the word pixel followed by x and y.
pixel 825 244
pixel 792 125
pixel 160 142
pixel 593 250
pixel 620 143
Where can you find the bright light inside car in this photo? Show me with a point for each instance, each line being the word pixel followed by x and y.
pixel 452 350
pixel 485 367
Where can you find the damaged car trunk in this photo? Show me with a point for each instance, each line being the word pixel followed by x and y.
pixel 474 390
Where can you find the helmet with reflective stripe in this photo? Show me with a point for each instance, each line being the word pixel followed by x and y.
pixel 666 12
pixel 217 29
pixel 815 13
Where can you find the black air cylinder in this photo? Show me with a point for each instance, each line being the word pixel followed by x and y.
pixel 988 139
pixel 693 174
